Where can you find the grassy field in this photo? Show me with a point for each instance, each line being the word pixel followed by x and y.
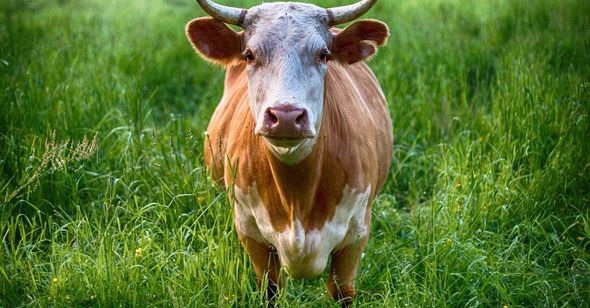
pixel 104 199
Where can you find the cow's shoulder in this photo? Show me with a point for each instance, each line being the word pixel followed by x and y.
pixel 358 123
pixel 231 119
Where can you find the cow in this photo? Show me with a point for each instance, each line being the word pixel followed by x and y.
pixel 302 137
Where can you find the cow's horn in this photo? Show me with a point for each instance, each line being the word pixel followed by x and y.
pixel 229 15
pixel 342 14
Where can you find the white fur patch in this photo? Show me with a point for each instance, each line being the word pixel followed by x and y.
pixel 304 254
pixel 286 40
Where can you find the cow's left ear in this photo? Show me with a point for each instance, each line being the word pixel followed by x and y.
pixel 214 40
pixel 359 41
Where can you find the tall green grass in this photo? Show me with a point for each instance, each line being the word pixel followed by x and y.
pixel 488 198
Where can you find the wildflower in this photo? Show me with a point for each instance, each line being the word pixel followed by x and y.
pixel 55 280
pixel 138 252
pixel 57 155
pixel 200 200
pixel 449 242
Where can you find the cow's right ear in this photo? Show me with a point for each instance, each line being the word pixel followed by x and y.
pixel 214 40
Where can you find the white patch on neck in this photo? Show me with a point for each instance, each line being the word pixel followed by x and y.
pixel 304 254
pixel 292 155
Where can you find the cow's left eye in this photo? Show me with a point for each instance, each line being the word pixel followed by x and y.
pixel 249 55
pixel 324 55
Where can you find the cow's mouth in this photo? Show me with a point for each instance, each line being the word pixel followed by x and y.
pixel 287 141
pixel 290 150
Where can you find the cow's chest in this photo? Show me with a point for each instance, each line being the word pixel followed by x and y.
pixel 303 253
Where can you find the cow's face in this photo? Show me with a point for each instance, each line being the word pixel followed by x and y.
pixel 286 48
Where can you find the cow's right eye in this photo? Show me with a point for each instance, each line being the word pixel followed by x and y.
pixel 248 55
pixel 324 55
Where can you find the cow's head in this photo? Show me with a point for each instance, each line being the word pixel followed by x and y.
pixel 287 47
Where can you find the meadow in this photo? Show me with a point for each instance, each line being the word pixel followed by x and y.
pixel 105 201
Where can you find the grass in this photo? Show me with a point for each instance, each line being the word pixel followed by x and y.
pixel 487 204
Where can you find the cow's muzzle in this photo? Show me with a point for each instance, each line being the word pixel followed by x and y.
pixel 286 122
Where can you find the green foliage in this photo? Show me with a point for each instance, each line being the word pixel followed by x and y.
pixel 487 203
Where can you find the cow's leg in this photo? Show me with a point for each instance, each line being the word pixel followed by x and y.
pixel 343 272
pixel 266 264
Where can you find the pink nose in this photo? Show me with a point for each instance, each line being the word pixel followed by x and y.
pixel 286 122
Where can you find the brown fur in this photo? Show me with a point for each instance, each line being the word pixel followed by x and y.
pixel 354 145
pixel 354 148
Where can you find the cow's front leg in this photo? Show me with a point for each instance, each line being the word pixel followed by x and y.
pixel 266 264
pixel 343 270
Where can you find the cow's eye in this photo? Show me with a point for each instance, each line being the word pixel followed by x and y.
pixel 324 55
pixel 248 55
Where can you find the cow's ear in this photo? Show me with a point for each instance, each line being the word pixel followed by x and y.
pixel 214 40
pixel 359 41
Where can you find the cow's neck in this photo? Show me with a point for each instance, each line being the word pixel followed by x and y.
pixel 297 183
pixel 298 177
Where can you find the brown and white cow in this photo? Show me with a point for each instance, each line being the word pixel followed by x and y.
pixel 302 135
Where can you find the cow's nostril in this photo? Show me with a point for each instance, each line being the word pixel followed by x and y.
pixel 285 121
pixel 301 119
pixel 270 119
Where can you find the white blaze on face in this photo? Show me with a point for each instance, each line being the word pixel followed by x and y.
pixel 304 254
pixel 285 40
pixel 291 77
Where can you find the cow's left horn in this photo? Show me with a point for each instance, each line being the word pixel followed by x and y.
pixel 229 15
pixel 342 14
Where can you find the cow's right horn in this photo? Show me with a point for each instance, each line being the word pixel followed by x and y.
pixel 342 14
pixel 226 14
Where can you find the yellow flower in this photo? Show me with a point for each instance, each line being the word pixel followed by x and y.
pixel 55 280
pixel 138 252
pixel 449 242
pixel 200 200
